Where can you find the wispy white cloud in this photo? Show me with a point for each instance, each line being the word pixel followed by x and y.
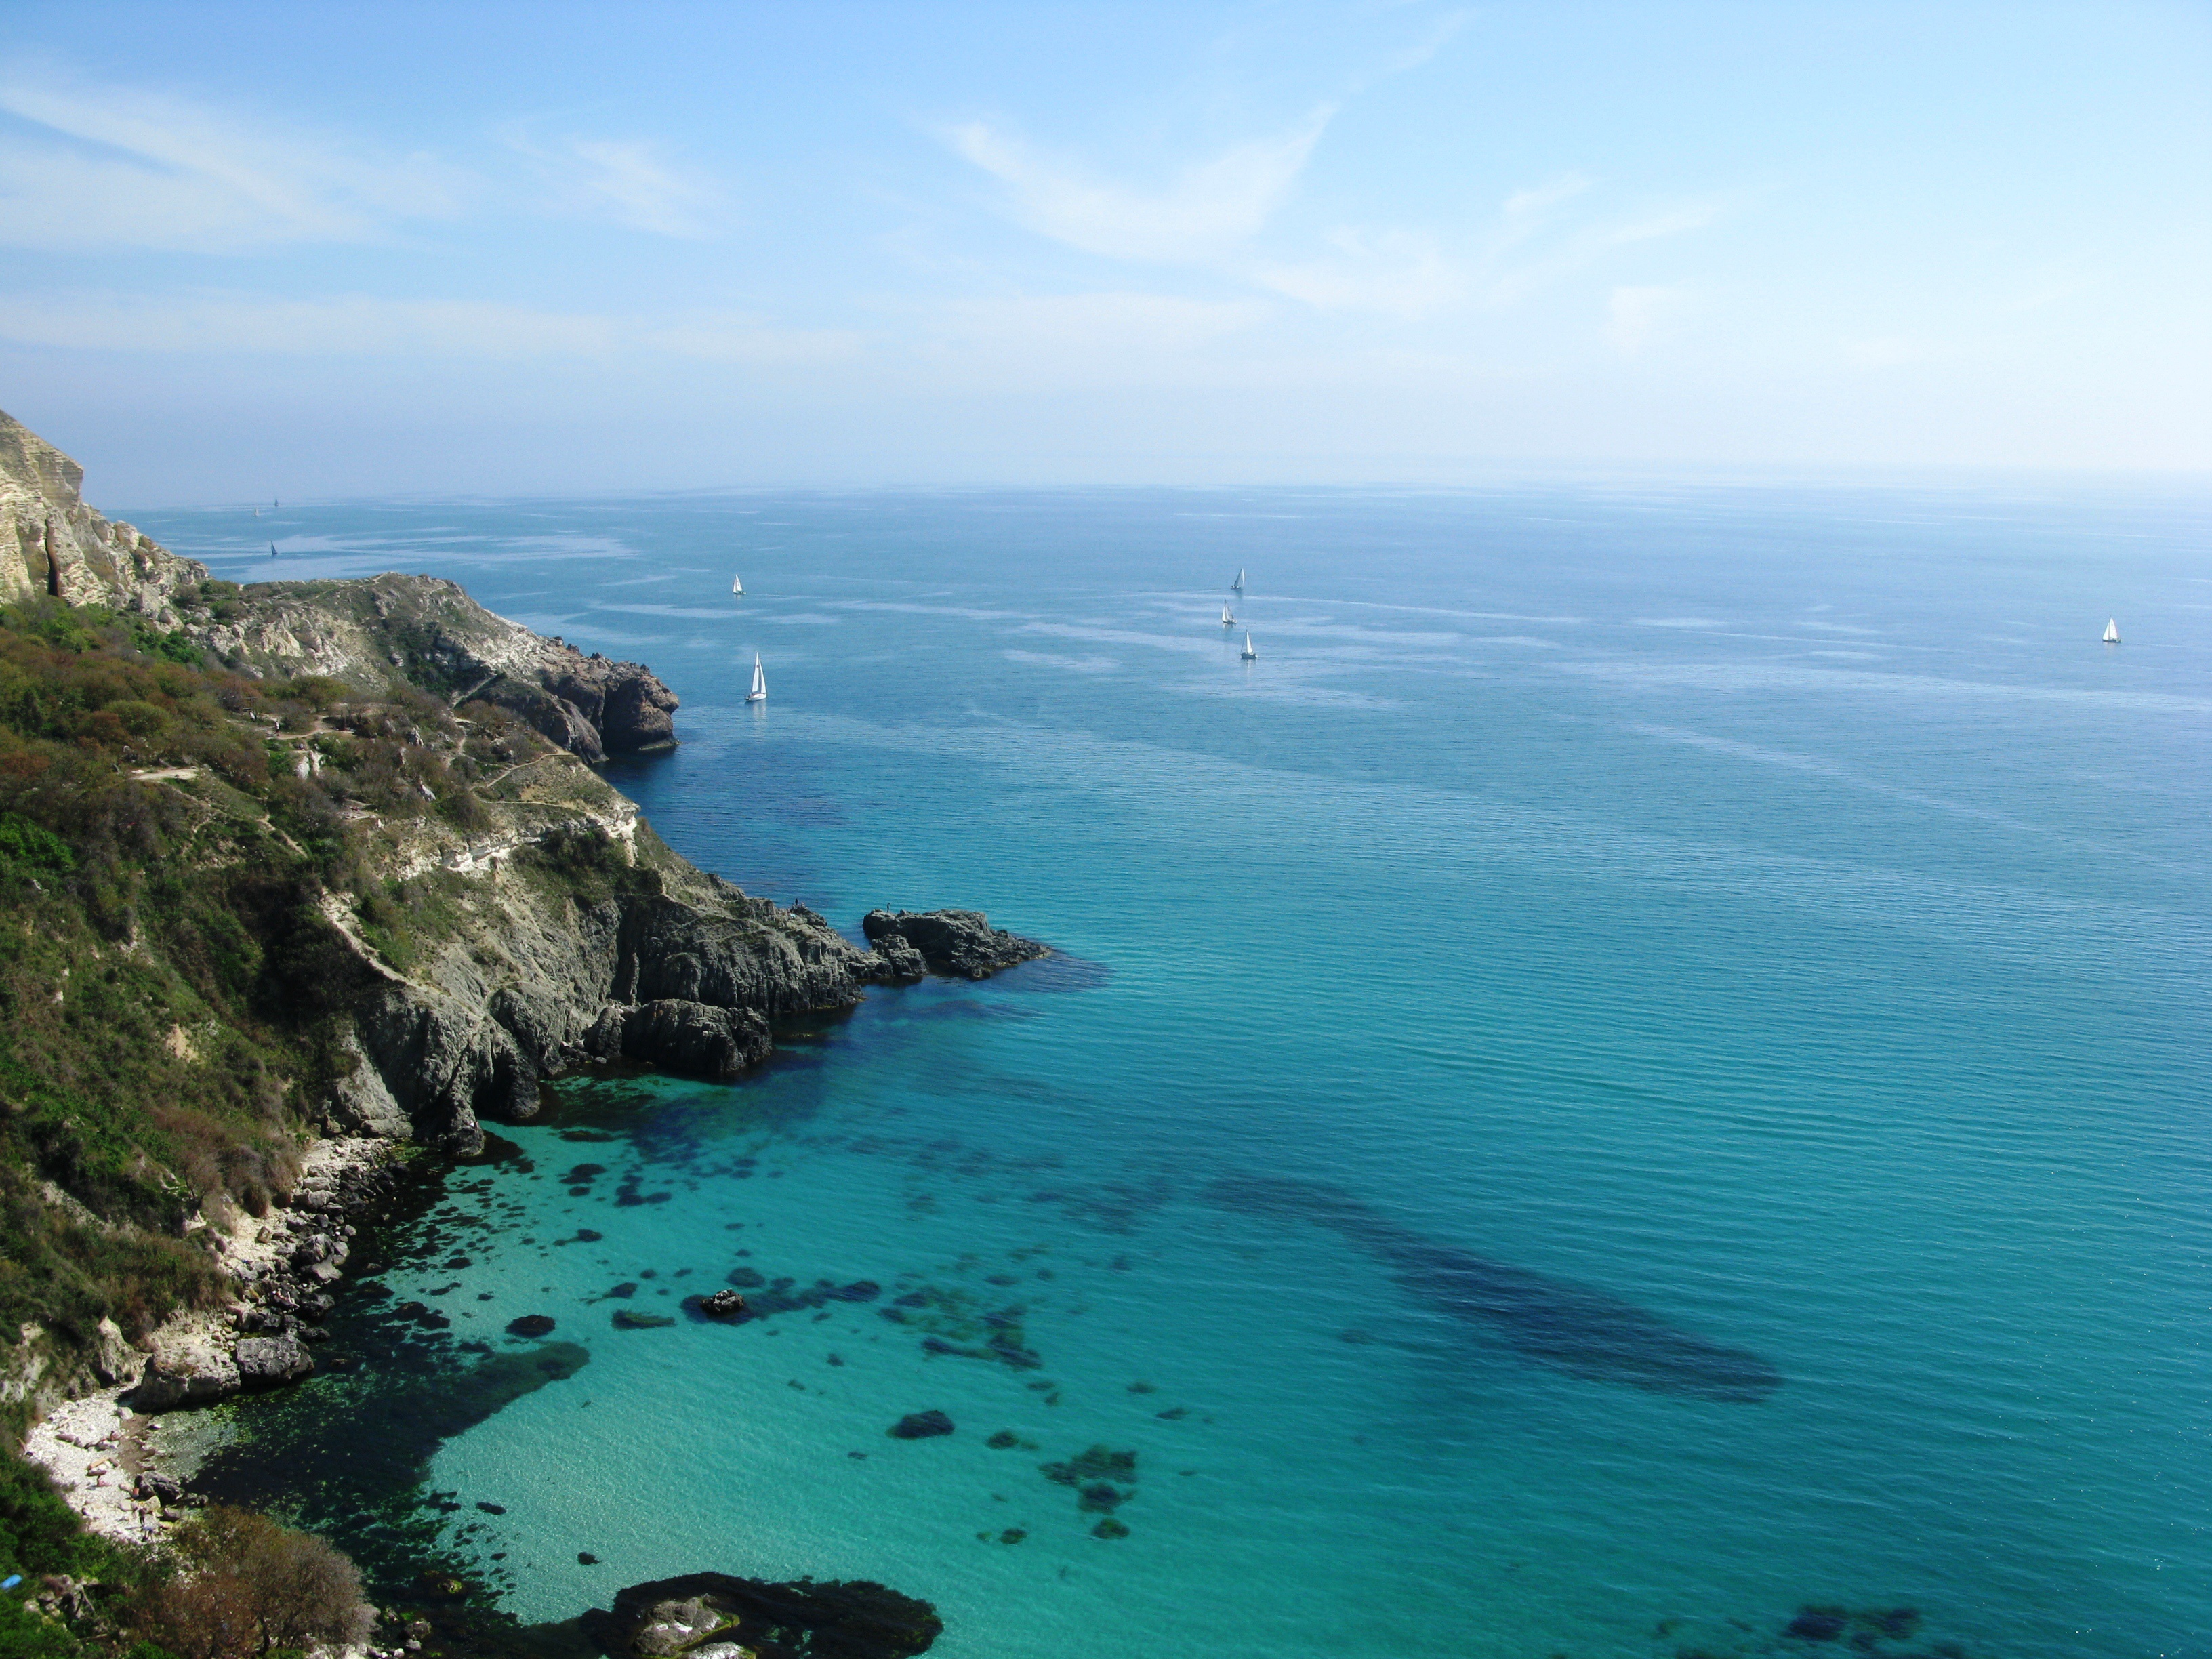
pixel 105 167
pixel 1512 275
pixel 1634 313
pixel 1524 209
pixel 1081 337
pixel 1401 272
pixel 626 179
pixel 363 325
pixel 1887 351
pixel 1206 213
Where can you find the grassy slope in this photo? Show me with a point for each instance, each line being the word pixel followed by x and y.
pixel 168 984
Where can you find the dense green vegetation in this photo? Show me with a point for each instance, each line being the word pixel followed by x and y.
pixel 226 1584
pixel 168 978
pixel 171 832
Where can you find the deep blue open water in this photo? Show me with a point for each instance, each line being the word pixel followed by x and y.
pixel 1644 1068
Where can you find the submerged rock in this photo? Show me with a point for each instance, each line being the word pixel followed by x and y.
pixel 706 1615
pixel 920 1425
pixel 962 942
pixel 722 1304
pixel 530 1325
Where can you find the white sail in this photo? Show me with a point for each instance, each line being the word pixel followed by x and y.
pixel 1239 583
pixel 1227 621
pixel 759 693
pixel 1250 655
pixel 737 585
pixel 2112 631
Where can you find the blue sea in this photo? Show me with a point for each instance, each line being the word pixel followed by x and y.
pixel 1642 1068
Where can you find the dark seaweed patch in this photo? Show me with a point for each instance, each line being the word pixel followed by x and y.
pixel 1575 1329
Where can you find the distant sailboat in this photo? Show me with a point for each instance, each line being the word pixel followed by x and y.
pixel 1250 655
pixel 272 550
pixel 1239 583
pixel 737 586
pixel 759 693
pixel 2112 631
pixel 1227 621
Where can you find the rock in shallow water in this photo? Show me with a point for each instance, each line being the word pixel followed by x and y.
pixel 695 1038
pixel 920 1425
pixel 722 1304
pixel 958 942
pixel 712 1615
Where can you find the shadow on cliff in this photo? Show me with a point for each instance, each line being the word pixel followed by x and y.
pixel 1576 1328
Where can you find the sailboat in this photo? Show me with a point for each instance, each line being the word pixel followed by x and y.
pixel 1250 655
pixel 738 586
pixel 759 693
pixel 1227 621
pixel 272 550
pixel 1239 583
pixel 2112 631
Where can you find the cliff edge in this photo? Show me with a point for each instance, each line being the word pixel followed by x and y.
pixel 418 631
pixel 319 857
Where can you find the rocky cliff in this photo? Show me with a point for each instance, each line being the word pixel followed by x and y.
pixel 371 633
pixel 51 543
pixel 327 854
pixel 428 633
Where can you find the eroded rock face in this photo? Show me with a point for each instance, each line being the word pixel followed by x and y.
pixel 429 633
pixel 958 942
pixel 693 1037
pixel 113 1359
pixel 681 969
pixel 51 543
pixel 711 1615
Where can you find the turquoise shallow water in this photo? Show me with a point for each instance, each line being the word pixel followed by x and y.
pixel 1644 1063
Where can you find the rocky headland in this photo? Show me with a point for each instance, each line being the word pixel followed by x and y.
pixel 310 878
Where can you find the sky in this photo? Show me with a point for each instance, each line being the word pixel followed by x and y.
pixel 328 251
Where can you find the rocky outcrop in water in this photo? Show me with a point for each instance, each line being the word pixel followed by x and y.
pixel 693 1037
pixel 962 942
pixel 714 1615
pixel 586 948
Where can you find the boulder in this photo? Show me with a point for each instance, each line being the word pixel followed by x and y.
pixel 962 942
pixel 722 1304
pixel 264 1361
pixel 193 1375
pixel 113 1359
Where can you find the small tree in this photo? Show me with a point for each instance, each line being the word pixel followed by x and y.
pixel 245 1585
